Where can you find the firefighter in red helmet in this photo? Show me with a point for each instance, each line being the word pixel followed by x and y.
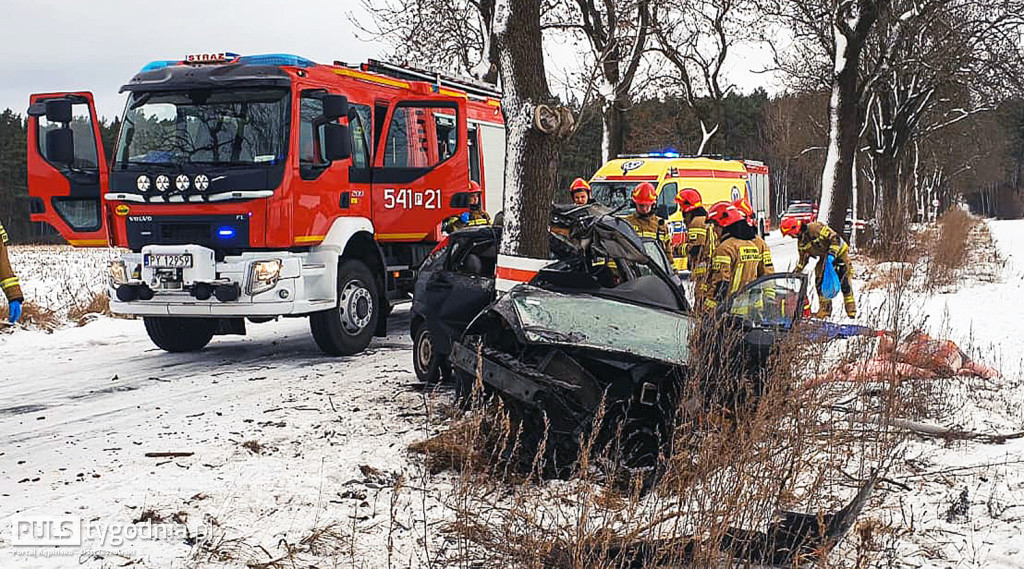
pixel 580 192
pixel 737 260
pixel 476 214
pixel 744 206
pixel 700 241
pixel 647 225
pixel 815 239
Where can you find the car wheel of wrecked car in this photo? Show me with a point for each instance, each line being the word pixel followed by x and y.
pixel 424 356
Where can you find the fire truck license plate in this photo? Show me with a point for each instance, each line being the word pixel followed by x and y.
pixel 167 261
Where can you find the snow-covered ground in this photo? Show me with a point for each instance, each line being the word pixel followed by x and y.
pixel 287 444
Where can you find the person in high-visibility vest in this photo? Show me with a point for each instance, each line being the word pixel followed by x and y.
pixel 700 241
pixel 815 239
pixel 9 281
pixel 474 217
pixel 647 225
pixel 766 253
pixel 737 260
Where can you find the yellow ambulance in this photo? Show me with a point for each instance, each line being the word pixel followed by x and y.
pixel 716 179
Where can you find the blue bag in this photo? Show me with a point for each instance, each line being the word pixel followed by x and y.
pixel 829 279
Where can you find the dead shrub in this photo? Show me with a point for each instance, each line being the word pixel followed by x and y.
pixel 84 312
pixel 950 249
pixel 34 315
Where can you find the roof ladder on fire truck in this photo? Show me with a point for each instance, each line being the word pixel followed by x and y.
pixel 470 86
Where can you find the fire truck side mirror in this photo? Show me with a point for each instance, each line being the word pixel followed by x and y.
pixel 60 146
pixel 337 141
pixel 58 111
pixel 335 107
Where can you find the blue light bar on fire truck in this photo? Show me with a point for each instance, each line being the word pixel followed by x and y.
pixel 221 58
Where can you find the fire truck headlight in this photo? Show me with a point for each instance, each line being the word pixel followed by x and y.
pixel 118 272
pixel 182 182
pixel 263 276
pixel 201 182
pixel 142 183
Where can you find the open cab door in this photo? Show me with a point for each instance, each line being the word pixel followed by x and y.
pixel 67 168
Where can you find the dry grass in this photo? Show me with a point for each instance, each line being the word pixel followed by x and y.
pixel 87 311
pixel 951 248
pixel 35 316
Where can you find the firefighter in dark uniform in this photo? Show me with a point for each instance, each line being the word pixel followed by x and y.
pixel 9 281
pixel 815 239
pixel 700 241
pixel 737 260
pixel 648 226
pixel 472 218
pixel 580 192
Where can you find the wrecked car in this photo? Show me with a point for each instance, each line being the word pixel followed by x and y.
pixel 606 332
pixel 456 281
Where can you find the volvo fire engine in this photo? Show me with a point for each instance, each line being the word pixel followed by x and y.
pixel 253 187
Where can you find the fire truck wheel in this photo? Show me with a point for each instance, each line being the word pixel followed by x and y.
pixel 348 328
pixel 179 334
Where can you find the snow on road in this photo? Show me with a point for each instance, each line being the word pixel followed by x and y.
pixel 279 433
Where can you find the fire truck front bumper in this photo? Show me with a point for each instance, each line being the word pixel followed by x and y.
pixel 189 280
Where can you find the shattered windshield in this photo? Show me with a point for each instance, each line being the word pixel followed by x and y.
pixel 590 321
pixel 222 127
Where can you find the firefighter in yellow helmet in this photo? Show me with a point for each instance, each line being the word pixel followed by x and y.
pixel 815 239
pixel 737 260
pixel 9 281
pixel 580 192
pixel 474 217
pixel 647 225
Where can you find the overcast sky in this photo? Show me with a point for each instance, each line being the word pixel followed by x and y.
pixel 97 45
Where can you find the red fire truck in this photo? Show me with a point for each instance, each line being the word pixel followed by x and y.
pixel 252 187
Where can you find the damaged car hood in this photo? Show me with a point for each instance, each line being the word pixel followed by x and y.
pixel 587 321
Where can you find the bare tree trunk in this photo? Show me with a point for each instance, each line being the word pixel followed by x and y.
pixel 531 156
pixel 612 121
pixel 852 22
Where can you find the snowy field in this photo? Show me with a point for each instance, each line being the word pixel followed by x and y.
pixel 284 452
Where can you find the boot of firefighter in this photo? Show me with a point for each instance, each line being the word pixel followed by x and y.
pixel 824 307
pixel 850 304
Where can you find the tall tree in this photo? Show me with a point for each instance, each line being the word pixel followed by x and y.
pixel 617 32
pixel 533 128
pixel 695 36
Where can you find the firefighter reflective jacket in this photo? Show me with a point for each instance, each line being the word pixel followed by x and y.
pixel 735 263
pixel 652 228
pixel 8 281
pixel 818 240
pixel 766 256
pixel 476 217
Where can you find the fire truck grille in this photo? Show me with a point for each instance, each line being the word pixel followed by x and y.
pixel 217 232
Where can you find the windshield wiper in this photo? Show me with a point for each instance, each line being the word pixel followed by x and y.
pixel 225 162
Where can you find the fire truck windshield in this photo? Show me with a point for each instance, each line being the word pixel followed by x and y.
pixel 228 127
